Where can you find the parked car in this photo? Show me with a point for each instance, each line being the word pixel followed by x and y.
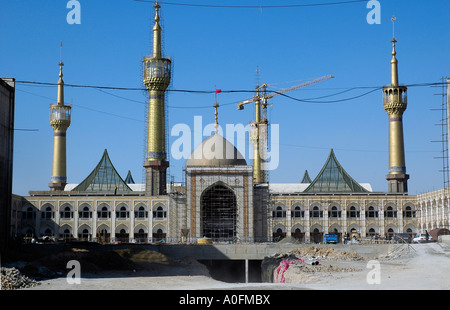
pixel 402 238
pixel 421 238
pixel 330 238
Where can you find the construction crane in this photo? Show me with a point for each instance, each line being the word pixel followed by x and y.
pixel 259 128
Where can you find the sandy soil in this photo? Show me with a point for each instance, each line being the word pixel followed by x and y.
pixel 413 267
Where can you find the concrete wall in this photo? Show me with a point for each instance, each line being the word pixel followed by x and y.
pixel 444 239
pixel 256 251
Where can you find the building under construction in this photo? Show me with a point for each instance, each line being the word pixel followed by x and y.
pixel 224 198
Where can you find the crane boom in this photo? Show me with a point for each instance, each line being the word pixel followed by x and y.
pixel 323 78
pixel 259 133
pixel 264 97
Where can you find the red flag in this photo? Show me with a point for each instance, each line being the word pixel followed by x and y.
pixel 217 90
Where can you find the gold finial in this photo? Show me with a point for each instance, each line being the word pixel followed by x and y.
pixel 157 33
pixel 157 6
pixel 393 19
pixel 216 113
pixel 393 26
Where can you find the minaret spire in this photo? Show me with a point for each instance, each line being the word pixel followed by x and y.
pixel 60 100
pixel 60 121
pixel 394 62
pixel 395 103
pixel 157 33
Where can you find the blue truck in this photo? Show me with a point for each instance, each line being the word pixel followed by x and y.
pixel 330 238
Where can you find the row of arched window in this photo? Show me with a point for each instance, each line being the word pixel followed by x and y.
pixel 335 212
pixel 140 235
pixel 159 212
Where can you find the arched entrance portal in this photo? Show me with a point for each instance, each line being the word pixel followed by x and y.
pixel 218 213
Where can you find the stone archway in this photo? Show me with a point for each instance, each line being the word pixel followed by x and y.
pixel 218 213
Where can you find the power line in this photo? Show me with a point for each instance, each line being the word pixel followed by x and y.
pixel 308 100
pixel 86 108
pixel 254 6
pixel 330 101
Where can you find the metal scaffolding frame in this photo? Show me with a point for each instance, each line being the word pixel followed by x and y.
pixel 218 213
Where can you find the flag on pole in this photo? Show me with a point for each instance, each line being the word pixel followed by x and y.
pixel 218 90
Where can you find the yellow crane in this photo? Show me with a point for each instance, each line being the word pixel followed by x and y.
pixel 259 132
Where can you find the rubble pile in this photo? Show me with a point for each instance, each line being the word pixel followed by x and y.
pixel 325 253
pixel 12 279
pixel 300 264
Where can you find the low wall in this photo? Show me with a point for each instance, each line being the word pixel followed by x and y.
pixel 444 239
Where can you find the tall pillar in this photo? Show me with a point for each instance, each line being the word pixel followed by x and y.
pixel 60 121
pixel 395 102
pixel 157 75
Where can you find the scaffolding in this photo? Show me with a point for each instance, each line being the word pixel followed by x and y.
pixel 218 214
pixel 444 123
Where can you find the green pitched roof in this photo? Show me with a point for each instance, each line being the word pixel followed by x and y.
pixel 306 178
pixel 333 178
pixel 129 179
pixel 103 178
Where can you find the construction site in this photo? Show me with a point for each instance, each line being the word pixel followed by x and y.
pixel 286 266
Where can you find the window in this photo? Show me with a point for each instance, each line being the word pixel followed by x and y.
pixel 159 213
pixel 298 212
pixel 141 236
pixel 334 212
pixel 371 212
pixel 122 213
pixel 122 236
pixel 85 213
pixel 141 213
pixel 104 213
pixel 390 233
pixel 67 235
pixel 159 235
pixel 66 213
pixel 409 213
pixel 316 212
pixel 47 214
pixel 85 235
pixel 353 212
pixel 279 212
pixel 29 214
pixel 390 213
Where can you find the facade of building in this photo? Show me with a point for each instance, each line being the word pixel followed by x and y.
pixel 222 199
pixel 7 97
pixel 221 202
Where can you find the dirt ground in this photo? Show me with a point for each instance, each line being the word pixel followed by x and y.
pixel 403 267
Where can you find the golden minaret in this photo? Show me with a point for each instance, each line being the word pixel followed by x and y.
pixel 157 74
pixel 395 102
pixel 60 121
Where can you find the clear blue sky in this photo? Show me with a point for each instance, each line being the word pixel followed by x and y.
pixel 222 47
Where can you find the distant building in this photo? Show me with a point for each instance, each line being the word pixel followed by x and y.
pixel 7 93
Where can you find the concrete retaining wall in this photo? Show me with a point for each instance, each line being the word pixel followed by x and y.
pixel 257 251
